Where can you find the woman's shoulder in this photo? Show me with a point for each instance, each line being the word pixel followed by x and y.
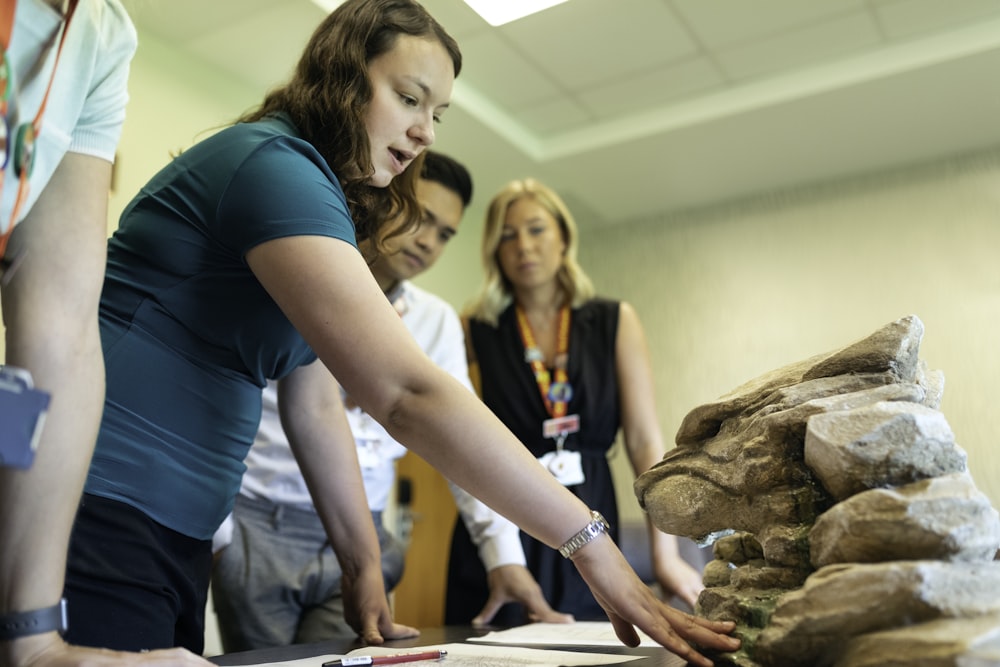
pixel 599 314
pixel 271 148
pixel 112 27
pixel 600 306
pixel 262 134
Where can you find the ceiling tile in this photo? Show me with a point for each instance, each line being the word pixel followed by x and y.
pixel 916 17
pixel 245 48
pixel 723 23
pixel 456 17
pixel 652 89
pixel 586 42
pixel 490 64
pixel 816 43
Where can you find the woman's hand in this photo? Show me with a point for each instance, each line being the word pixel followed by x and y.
pixel 514 583
pixel 630 604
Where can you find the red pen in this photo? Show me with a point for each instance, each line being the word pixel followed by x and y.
pixel 364 660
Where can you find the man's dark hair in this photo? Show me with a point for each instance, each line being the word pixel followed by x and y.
pixel 450 173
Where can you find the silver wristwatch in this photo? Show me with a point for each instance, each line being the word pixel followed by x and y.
pixel 598 524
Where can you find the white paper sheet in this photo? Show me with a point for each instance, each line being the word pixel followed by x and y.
pixel 582 633
pixel 315 661
pixel 470 655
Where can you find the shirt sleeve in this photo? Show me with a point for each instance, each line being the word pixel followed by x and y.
pixel 224 534
pixel 283 188
pixel 497 538
pixel 446 344
pixel 100 123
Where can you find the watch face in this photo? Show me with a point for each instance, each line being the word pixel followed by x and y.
pixel 598 524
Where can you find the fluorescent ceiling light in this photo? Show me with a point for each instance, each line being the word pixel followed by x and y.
pixel 498 12
pixel 328 5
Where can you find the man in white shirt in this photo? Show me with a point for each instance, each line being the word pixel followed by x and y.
pixel 277 581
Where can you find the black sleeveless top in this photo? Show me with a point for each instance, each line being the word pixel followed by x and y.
pixel 510 390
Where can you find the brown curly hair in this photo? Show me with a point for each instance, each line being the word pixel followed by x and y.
pixel 329 93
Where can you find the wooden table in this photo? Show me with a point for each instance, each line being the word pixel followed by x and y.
pixel 651 657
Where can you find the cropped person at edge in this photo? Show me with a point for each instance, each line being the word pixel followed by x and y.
pixel 65 75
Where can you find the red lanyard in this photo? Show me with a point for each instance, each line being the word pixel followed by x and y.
pixel 556 394
pixel 20 142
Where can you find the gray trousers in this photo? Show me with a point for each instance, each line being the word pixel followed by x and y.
pixel 278 581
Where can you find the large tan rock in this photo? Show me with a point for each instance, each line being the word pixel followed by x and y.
pixel 943 518
pixel 965 642
pixel 892 350
pixel 752 473
pixel 879 490
pixel 809 626
pixel 885 444
pixel 739 461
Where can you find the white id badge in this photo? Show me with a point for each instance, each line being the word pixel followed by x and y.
pixel 22 414
pixel 565 465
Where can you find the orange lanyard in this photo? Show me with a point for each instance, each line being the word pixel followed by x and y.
pixel 556 394
pixel 22 149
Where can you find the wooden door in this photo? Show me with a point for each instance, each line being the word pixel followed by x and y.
pixel 418 600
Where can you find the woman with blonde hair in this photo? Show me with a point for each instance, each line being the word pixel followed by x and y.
pixel 497 293
pixel 565 370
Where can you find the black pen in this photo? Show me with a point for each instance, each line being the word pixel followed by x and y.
pixel 364 660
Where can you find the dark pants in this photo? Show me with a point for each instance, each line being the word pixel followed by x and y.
pixel 133 584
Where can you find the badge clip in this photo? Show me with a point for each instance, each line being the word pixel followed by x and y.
pixel 22 415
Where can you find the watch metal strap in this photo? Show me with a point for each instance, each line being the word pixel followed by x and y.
pixel 23 623
pixel 598 524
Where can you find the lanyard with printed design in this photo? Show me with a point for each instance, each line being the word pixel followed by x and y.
pixel 19 142
pixel 555 394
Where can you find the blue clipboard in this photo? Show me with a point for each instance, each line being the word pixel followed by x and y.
pixel 22 416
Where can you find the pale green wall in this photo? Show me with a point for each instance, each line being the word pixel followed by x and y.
pixel 173 102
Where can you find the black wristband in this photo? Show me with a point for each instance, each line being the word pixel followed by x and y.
pixel 24 623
